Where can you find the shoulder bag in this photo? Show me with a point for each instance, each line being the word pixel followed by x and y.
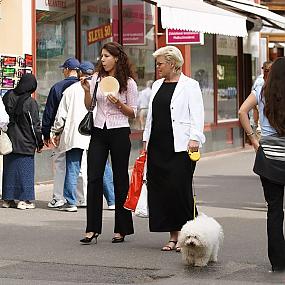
pixel 86 124
pixel 5 143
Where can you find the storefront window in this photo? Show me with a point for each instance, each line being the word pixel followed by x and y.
pixel 227 78
pixel 97 26
pixel 55 42
pixel 202 71
pixel 139 43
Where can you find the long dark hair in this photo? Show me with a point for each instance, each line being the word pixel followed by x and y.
pixel 274 96
pixel 124 68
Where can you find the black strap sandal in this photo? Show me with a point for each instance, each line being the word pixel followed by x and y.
pixel 168 247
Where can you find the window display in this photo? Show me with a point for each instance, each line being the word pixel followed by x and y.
pixel 202 71
pixel 227 78
pixel 55 43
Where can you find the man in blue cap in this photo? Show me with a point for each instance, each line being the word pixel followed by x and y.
pixel 70 67
pixel 68 140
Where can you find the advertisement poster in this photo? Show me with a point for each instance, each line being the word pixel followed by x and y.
pixel 12 69
pixel 99 34
pixel 28 60
pixel 7 82
pixel 8 72
pixel 133 24
pixel 8 60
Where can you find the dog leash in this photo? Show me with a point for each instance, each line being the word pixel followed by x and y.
pixel 194 156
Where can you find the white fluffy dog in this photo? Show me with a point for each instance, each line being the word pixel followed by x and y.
pixel 200 240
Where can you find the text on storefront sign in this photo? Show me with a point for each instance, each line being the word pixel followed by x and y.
pixel 99 34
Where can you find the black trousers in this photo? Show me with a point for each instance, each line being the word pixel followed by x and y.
pixel 274 194
pixel 117 142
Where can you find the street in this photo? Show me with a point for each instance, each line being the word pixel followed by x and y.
pixel 41 246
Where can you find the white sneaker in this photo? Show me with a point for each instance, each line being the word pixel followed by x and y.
pixel 111 207
pixel 30 205
pixel 22 205
pixel 55 203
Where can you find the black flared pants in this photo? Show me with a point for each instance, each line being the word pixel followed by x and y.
pixel 117 142
pixel 274 194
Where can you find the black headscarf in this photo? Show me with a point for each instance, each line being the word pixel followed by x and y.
pixel 26 86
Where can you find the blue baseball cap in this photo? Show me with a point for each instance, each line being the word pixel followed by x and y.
pixel 71 63
pixel 87 67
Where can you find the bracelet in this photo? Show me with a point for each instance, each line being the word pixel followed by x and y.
pixel 250 134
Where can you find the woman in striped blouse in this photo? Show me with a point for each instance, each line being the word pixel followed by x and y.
pixel 110 134
pixel 270 160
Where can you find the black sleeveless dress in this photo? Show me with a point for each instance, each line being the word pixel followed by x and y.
pixel 169 173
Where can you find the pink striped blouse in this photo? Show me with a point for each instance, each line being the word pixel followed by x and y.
pixel 108 112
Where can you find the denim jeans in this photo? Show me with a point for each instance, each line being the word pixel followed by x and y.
pixel 73 162
pixel 108 185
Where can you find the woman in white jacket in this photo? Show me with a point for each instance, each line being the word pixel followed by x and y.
pixel 174 126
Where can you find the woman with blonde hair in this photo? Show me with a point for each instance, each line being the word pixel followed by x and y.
pixel 174 126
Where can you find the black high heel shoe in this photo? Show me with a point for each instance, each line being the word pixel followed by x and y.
pixel 88 240
pixel 118 239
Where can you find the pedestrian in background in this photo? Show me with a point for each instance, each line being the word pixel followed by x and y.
pixel 257 88
pixel 270 162
pixel 143 101
pixel 69 69
pixel 25 134
pixel 70 112
pixel 174 125
pixel 110 134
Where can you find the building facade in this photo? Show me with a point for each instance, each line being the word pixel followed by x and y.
pixel 53 30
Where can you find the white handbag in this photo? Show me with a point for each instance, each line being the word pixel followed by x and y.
pixel 5 143
pixel 142 205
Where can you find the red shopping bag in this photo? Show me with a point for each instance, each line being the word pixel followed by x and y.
pixel 136 183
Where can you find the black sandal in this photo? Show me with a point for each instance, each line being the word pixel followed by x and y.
pixel 167 247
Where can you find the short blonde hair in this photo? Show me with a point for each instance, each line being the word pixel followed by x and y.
pixel 171 53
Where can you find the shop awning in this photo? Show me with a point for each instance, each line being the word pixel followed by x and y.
pixel 198 16
pixel 269 18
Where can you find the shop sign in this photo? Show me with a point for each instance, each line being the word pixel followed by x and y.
pixel 134 17
pixel 50 5
pixel 182 37
pixel 99 34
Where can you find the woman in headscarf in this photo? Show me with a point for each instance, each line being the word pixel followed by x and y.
pixel 25 133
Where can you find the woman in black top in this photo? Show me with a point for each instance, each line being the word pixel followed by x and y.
pixel 174 125
pixel 25 134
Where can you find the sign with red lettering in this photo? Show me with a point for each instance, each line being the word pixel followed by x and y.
pixel 51 5
pixel 182 37
pixel 99 34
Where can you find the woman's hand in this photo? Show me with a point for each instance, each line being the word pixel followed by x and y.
pixel 85 84
pixel 255 143
pixel 113 99
pixel 193 146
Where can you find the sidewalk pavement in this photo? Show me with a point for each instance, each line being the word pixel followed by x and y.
pixel 41 246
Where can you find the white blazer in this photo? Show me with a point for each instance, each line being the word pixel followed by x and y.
pixel 70 113
pixel 187 113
